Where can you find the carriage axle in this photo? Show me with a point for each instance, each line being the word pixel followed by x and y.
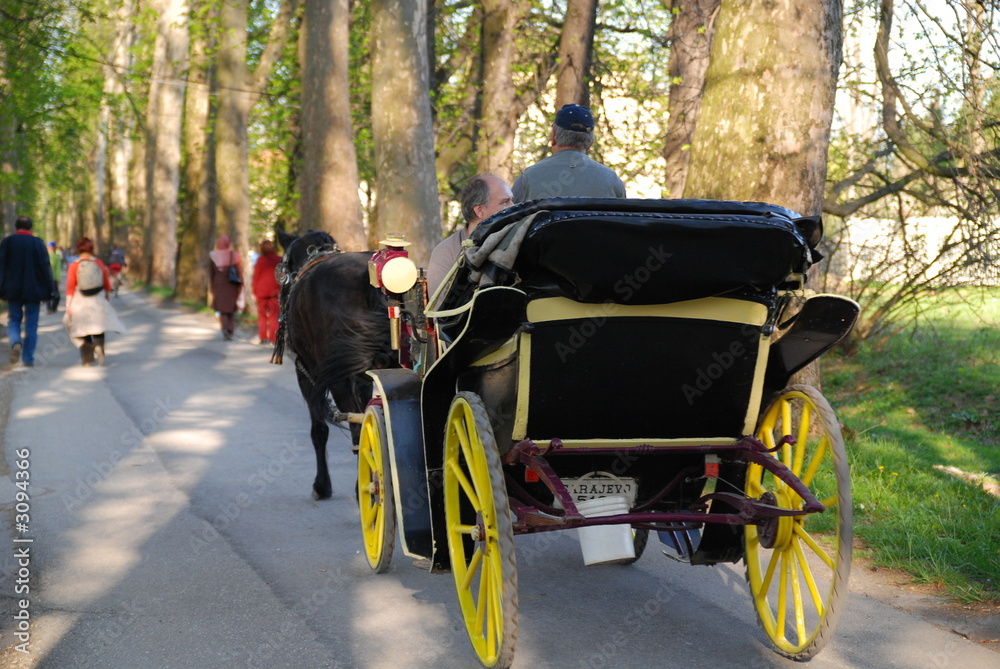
pixel 535 516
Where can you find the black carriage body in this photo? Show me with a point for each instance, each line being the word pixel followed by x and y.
pixel 635 334
pixel 627 349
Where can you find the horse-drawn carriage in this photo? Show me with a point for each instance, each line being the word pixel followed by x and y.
pixel 620 365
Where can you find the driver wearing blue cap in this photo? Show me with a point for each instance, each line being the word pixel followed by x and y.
pixel 568 172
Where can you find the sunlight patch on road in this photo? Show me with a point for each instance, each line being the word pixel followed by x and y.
pixel 388 622
pixel 120 514
pixel 187 440
pixel 38 411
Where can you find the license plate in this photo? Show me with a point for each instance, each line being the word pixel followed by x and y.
pixel 596 485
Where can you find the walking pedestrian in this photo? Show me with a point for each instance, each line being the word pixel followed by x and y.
pixel 226 285
pixel 89 314
pixel 25 282
pixel 265 291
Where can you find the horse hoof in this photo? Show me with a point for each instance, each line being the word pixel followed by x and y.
pixel 318 495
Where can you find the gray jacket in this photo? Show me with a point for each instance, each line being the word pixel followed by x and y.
pixel 567 173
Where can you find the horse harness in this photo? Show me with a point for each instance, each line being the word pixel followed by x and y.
pixel 314 256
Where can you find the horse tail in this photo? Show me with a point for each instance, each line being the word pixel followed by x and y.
pixel 278 352
pixel 364 346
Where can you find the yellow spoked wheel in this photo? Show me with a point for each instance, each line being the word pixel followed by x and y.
pixel 480 536
pixel 378 520
pixel 797 566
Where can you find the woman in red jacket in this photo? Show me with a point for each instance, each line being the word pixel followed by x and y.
pixel 265 292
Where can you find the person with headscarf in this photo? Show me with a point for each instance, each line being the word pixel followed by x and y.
pixel 225 293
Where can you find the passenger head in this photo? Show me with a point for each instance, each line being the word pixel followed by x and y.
pixel 266 246
pixel 85 245
pixel 573 128
pixel 483 196
pixel 222 242
pixel 23 223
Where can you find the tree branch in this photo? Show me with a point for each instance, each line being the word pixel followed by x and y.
pixel 272 51
pixel 891 93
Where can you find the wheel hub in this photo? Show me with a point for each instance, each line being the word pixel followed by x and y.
pixel 776 532
pixel 478 532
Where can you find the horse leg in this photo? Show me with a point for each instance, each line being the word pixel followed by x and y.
pixel 319 432
pixel 322 489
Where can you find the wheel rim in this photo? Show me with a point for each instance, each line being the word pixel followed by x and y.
pixel 374 490
pixel 797 566
pixel 477 537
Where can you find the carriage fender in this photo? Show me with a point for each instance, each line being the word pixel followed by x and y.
pixel 822 322
pixel 400 393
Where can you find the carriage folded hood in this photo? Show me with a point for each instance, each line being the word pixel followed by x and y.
pixel 645 251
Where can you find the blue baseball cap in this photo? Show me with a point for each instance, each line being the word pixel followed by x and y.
pixel 52 244
pixel 575 117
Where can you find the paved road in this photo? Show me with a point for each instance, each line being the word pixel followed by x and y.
pixel 172 527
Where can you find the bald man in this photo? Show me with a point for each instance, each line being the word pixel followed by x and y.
pixel 483 196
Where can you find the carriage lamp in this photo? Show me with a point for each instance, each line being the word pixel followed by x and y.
pixel 390 268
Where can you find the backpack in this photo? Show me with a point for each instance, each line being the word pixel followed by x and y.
pixel 89 277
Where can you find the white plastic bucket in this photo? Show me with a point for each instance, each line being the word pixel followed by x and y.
pixel 605 544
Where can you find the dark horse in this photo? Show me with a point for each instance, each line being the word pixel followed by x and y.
pixel 336 327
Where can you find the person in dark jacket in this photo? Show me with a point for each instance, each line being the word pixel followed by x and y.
pixel 25 282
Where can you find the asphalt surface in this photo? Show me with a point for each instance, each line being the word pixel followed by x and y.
pixel 169 524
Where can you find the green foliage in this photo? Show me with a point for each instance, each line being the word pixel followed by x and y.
pixel 926 399
pixel 54 85
pixel 274 136
pixel 947 112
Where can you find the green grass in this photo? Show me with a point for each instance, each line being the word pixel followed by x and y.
pixel 926 397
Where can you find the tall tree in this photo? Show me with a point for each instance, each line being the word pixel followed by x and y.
pixel 406 184
pixel 328 179
pixel 764 127
pixel 199 195
pixel 238 91
pixel 163 127
pixel 499 103
pixel 576 44
pixel 691 34
pixel 9 162
pixel 121 121
pixel 138 196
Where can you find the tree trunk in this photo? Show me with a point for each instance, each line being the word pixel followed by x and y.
pixel 328 182
pixel 764 126
pixel 498 119
pixel 576 44
pixel 10 165
pixel 120 125
pixel 406 185
pixel 238 91
pixel 232 171
pixel 691 35
pixel 199 195
pixel 164 124
pixel 9 162
pixel 137 234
